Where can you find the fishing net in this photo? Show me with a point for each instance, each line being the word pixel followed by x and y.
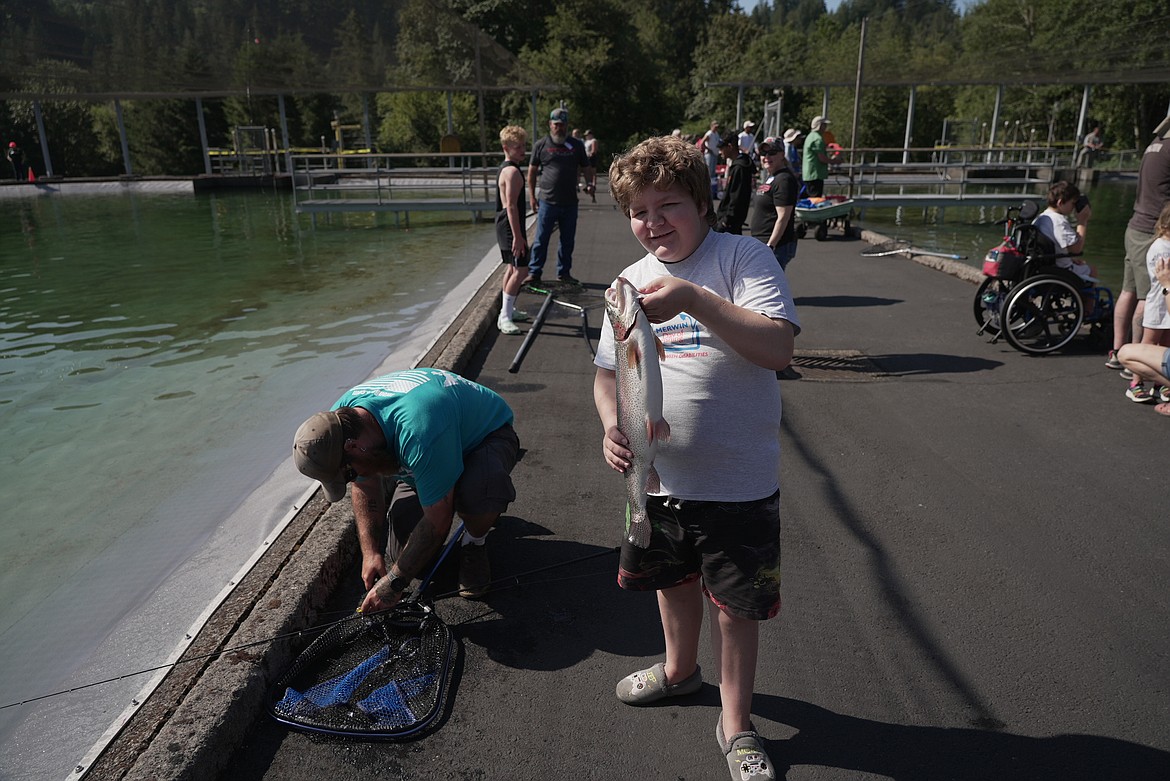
pixel 382 676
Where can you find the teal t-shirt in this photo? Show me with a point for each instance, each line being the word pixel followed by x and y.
pixel 431 418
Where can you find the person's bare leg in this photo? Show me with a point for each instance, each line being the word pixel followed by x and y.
pixel 735 642
pixel 1145 361
pixel 681 608
pixel 1123 316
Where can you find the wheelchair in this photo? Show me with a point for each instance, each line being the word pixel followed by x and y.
pixel 1025 298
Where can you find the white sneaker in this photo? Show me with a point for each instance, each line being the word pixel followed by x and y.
pixel 506 326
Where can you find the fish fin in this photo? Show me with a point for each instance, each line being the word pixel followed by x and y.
pixel 660 347
pixel 632 356
pixel 653 482
pixel 660 431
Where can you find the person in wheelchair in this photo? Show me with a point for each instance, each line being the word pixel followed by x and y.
pixel 1064 200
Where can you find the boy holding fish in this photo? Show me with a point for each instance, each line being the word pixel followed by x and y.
pixel 709 501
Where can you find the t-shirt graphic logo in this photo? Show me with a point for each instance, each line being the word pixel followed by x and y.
pixel 680 335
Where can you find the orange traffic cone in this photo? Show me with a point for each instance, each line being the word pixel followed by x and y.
pixel 31 176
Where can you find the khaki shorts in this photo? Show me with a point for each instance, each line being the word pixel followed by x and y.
pixel 485 487
pixel 1137 274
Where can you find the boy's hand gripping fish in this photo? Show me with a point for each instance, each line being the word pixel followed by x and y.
pixel 639 400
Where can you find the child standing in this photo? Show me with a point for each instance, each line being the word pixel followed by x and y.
pixel 511 211
pixel 723 309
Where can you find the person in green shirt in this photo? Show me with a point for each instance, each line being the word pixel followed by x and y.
pixel 816 159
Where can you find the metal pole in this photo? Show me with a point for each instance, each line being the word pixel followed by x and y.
pixel 1081 121
pixel 482 117
pixel 533 330
pixel 203 136
pixel 739 109
pixel 122 135
pixel 856 101
pixel 909 126
pixel 450 127
pixel 366 122
pixel 994 120
pixel 288 163
pixel 44 139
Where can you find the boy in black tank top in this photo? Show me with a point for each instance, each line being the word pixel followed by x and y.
pixel 511 211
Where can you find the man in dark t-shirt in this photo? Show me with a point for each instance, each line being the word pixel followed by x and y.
pixel 558 161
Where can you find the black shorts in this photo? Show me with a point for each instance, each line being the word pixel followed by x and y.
pixel 733 546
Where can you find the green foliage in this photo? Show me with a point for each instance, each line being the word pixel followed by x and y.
pixel 626 69
pixel 417 121
pixel 608 81
pixel 73 146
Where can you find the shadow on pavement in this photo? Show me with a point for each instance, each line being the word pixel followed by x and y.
pixel 906 364
pixel 558 617
pixel 844 301
pixel 910 753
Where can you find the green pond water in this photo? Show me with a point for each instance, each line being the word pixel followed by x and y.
pixel 156 355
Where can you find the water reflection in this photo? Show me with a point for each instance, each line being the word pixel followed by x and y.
pixel 156 352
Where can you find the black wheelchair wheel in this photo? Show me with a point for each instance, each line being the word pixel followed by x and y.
pixel 1042 314
pixel 822 231
pixel 988 305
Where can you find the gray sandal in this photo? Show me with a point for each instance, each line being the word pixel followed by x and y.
pixel 746 758
pixel 650 685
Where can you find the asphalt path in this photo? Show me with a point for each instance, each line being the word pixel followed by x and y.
pixel 975 563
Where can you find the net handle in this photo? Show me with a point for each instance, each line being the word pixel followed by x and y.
pixel 451 543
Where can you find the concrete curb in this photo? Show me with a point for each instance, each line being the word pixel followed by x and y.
pixel 192 722
pixel 946 265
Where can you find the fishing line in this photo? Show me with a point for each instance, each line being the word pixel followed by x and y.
pixel 512 581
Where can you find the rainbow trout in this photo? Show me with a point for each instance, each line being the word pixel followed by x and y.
pixel 639 400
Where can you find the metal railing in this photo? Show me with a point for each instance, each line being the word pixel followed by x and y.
pixel 943 174
pixel 324 182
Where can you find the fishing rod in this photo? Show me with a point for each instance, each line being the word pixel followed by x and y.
pixel 493 585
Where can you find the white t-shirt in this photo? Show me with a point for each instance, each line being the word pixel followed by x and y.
pixel 712 139
pixel 1057 227
pixel 747 142
pixel 723 410
pixel 1156 315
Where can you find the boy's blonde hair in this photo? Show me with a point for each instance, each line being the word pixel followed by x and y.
pixel 1162 226
pixel 661 162
pixel 513 134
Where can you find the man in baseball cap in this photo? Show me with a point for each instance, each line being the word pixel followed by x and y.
pixel 747 139
pixel 558 163
pixel 442 445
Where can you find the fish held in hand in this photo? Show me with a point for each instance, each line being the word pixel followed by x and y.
pixel 639 400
